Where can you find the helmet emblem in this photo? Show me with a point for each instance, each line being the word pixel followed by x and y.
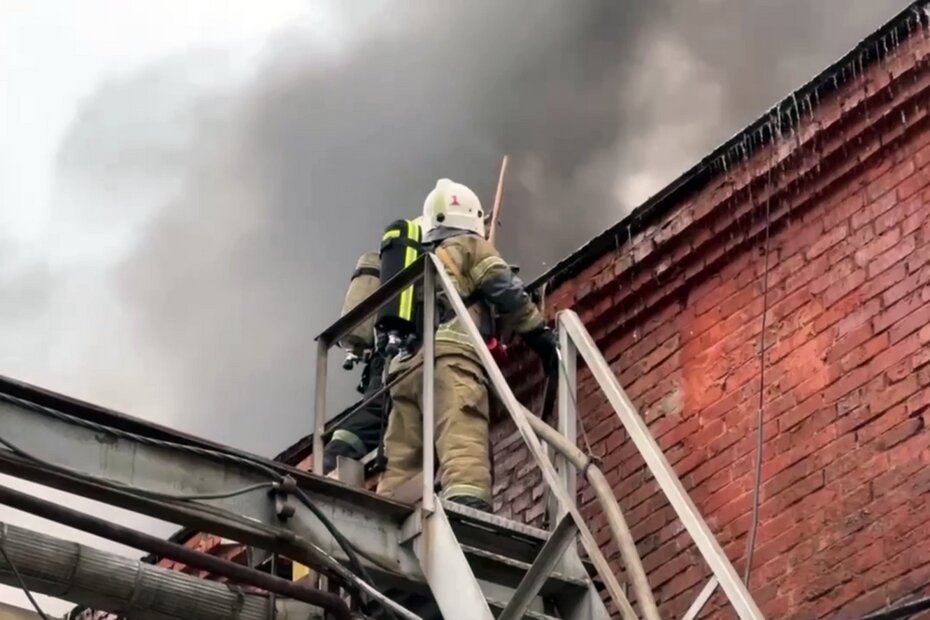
pixel 455 201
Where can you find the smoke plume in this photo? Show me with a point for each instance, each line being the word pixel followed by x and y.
pixel 255 194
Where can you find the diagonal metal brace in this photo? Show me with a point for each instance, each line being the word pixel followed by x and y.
pixel 549 556
pixel 703 596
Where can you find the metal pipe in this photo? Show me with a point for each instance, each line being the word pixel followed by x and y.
pixel 164 548
pixel 608 502
pixel 116 584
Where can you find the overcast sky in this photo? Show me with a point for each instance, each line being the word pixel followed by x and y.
pixel 184 186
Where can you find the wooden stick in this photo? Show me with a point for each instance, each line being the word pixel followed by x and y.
pixel 496 209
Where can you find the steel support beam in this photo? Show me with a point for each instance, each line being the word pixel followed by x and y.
pixel 372 523
pixel 319 405
pixel 671 486
pixel 449 575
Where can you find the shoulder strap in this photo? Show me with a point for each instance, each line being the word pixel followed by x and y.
pixel 366 271
pixel 404 241
pixel 443 255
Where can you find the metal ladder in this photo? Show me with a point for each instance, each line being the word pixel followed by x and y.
pixel 437 560
pixel 476 566
pixel 480 567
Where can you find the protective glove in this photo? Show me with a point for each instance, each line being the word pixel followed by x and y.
pixel 544 343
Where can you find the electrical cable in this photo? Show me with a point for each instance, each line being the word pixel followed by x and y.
pixel 381 564
pixel 343 542
pixel 336 569
pixel 132 492
pixel 218 495
pixel 760 413
pixel 22 582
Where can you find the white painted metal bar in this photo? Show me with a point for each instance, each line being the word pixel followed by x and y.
pixel 549 556
pixel 720 565
pixel 568 415
pixel 515 409
pixel 446 568
pixel 429 385
pixel 319 405
pixel 703 596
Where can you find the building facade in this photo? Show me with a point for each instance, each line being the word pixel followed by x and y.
pixel 792 263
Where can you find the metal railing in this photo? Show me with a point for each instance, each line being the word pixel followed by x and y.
pixel 576 338
pixel 561 480
pixel 429 270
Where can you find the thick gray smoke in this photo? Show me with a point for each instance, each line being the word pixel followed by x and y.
pixel 270 185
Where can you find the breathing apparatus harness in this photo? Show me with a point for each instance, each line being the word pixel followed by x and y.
pixel 396 322
pixel 398 328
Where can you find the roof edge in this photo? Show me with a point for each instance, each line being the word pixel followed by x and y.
pixel 778 121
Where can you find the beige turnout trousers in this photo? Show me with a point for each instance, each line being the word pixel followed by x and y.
pixel 462 411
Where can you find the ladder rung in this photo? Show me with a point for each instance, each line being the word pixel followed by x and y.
pixel 458 512
pixel 498 606
pixel 514 569
pixel 491 533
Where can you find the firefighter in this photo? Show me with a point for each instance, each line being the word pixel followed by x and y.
pixel 361 433
pixel 371 342
pixel 454 227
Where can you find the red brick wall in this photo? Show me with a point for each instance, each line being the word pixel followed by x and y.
pixel 678 309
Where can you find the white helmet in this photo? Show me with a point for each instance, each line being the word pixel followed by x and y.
pixel 454 205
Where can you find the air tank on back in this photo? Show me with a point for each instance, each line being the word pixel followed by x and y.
pixel 396 322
